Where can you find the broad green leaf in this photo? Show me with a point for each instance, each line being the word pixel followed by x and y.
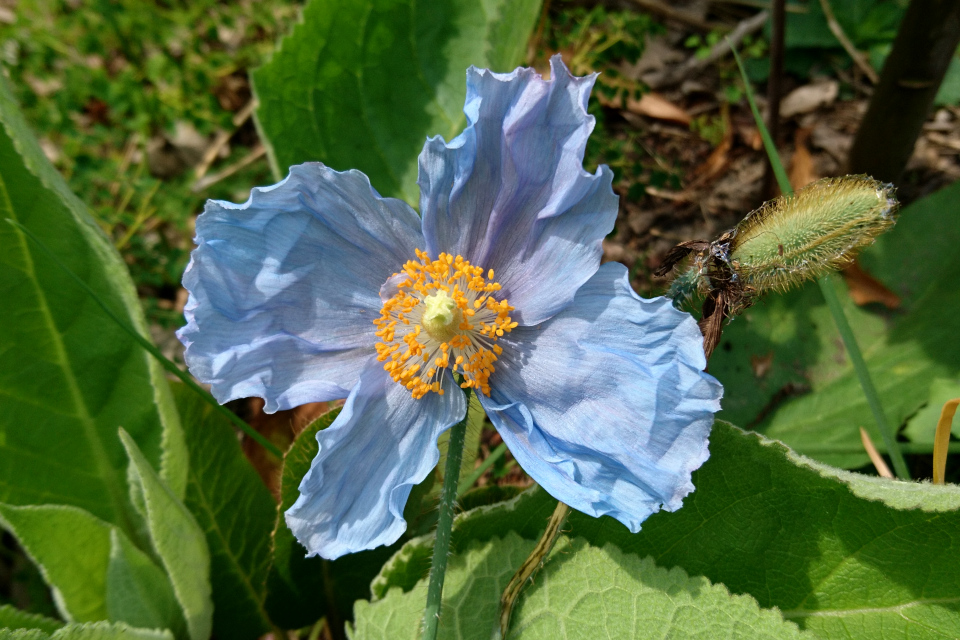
pixel 109 631
pixel 582 591
pixel 92 568
pixel 71 548
pixel 237 514
pixel 13 618
pixel 23 634
pixel 905 351
pixel 177 540
pixel 865 22
pixel 68 376
pixel 301 590
pixel 923 425
pixel 138 592
pixel 841 554
pixel 88 631
pixel 361 84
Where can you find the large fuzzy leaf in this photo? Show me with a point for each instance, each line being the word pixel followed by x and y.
pixel 138 591
pixel 361 84
pixel 13 618
pixel 841 554
pixel 68 375
pixel 88 631
pixel 582 591
pixel 94 571
pixel 177 540
pixel 235 511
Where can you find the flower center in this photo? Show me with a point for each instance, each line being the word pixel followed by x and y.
pixel 443 315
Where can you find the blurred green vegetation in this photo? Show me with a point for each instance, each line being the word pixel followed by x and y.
pixel 102 81
pixel 126 94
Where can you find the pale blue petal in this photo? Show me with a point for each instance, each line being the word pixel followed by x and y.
pixel 381 445
pixel 284 288
pixel 510 193
pixel 606 405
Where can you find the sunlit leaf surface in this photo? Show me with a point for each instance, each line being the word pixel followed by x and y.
pixel 361 84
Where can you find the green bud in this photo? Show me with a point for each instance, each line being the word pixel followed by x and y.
pixel 786 241
pixel 795 238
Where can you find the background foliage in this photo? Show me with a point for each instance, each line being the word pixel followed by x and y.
pixel 138 507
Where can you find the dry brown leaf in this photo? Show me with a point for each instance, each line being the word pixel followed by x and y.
pixel 809 98
pixel 761 364
pixel 878 462
pixel 719 159
pixel 864 288
pixel 751 137
pixel 653 105
pixel 802 170
pixel 716 163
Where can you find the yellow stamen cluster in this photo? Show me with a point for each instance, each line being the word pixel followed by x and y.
pixel 443 315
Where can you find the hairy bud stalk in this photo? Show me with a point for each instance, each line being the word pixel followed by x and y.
pixel 786 241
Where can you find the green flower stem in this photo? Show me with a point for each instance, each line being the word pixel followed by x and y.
pixel 150 348
pixel 488 462
pixel 850 342
pixel 833 302
pixel 441 547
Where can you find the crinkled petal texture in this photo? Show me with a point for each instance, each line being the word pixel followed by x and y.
pixel 381 445
pixel 606 405
pixel 510 193
pixel 284 288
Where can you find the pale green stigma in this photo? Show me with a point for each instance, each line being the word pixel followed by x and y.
pixel 441 317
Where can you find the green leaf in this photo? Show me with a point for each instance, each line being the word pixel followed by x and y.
pixel 923 425
pixel 92 568
pixel 582 591
pixel 301 590
pixel 177 540
pixel 88 631
pixel 71 548
pixel 237 514
pixel 865 22
pixel 23 634
pixel 905 351
pixel 109 631
pixel 13 618
pixel 138 592
pixel 68 376
pixel 841 554
pixel 360 84
pixel 949 91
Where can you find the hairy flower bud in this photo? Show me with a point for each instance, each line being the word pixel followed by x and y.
pixel 784 242
pixel 819 228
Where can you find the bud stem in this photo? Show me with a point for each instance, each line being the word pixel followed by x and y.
pixel 828 287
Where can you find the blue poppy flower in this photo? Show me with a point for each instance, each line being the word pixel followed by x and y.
pixel 318 288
